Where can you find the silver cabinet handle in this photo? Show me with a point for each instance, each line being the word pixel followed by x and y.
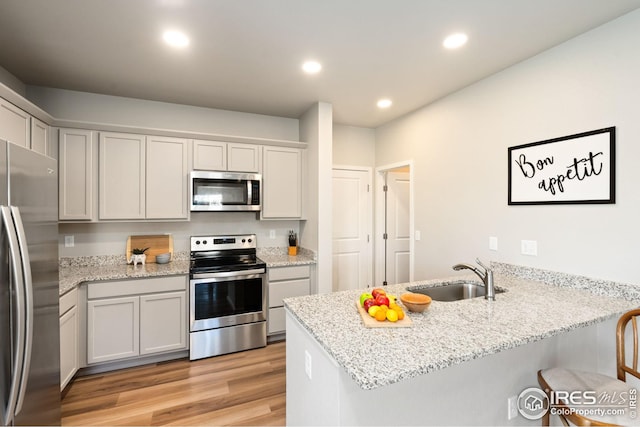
pixel 28 292
pixel 17 280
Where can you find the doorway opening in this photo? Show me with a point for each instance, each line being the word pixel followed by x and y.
pixel 395 244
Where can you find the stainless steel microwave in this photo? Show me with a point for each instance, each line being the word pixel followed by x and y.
pixel 225 191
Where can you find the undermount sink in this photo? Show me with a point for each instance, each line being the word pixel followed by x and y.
pixel 453 291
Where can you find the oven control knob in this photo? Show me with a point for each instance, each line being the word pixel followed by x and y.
pixel 249 240
pixel 197 242
pixel 243 240
pixel 204 242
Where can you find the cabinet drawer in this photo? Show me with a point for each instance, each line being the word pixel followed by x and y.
pixel 288 273
pixel 286 289
pixel 136 286
pixel 276 321
pixel 68 301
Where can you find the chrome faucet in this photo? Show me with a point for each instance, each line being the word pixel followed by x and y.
pixel 486 275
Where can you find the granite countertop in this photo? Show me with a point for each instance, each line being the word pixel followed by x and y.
pixel 449 333
pixel 74 271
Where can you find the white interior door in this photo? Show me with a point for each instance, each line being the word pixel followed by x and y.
pixel 398 253
pixel 352 210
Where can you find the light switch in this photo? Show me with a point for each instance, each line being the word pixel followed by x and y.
pixel 272 234
pixel 417 235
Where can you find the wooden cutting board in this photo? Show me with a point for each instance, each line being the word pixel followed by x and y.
pixel 370 322
pixel 157 244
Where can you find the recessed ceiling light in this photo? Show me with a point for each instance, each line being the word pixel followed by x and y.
pixel 311 67
pixel 455 41
pixel 175 38
pixel 384 103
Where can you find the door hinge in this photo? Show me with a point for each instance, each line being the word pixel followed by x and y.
pixel 385 188
pixel 368 189
pixel 367 238
pixel 384 236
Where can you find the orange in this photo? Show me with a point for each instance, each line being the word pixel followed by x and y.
pixel 380 315
pixel 392 316
pixel 400 313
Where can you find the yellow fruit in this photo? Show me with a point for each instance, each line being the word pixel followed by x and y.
pixel 400 313
pixel 392 316
pixel 381 315
pixel 393 306
pixel 383 307
pixel 373 310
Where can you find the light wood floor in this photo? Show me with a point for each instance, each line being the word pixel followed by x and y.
pixel 246 388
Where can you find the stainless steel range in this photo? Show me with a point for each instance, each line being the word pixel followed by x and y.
pixel 228 295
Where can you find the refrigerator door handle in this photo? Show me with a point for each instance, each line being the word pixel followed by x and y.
pixel 28 292
pixel 20 335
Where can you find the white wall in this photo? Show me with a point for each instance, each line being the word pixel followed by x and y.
pixel 111 238
pixel 91 107
pixel 315 233
pixel 459 146
pixel 353 146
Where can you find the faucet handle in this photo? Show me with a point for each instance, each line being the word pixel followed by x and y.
pixel 486 269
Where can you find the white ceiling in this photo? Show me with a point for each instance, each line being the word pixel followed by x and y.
pixel 245 55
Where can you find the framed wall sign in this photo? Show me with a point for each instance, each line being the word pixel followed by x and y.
pixel 567 170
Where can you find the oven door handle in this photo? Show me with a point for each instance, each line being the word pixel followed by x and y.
pixel 203 277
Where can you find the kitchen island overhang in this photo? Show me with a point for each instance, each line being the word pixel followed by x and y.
pixel 460 361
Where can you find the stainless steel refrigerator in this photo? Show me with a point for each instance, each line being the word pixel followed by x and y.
pixel 29 319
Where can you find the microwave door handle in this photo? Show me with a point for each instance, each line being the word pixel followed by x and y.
pixel 20 335
pixel 249 192
pixel 28 292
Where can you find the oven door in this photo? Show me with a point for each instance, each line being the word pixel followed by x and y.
pixel 227 299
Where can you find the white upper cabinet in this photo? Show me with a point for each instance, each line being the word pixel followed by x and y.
pixel 209 155
pixel 39 136
pixel 243 157
pixel 122 176
pixel 167 178
pixel 15 124
pixel 78 175
pixel 223 156
pixel 281 183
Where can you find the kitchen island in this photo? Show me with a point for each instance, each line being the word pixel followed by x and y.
pixel 459 362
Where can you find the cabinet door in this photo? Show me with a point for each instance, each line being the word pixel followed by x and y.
pixel 39 136
pixel 78 173
pixel 14 124
pixel 122 176
pixel 167 178
pixel 113 329
pixel 209 155
pixel 68 346
pixel 243 157
pixel 281 182
pixel 163 322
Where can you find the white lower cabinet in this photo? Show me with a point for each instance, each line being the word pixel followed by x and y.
pixel 163 322
pixel 285 282
pixel 131 318
pixel 69 330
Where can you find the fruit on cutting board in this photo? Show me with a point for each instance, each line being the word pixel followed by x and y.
pixel 381 306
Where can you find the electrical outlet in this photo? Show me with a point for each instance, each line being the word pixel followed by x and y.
pixel 307 363
pixel 493 243
pixel 272 234
pixel 512 407
pixel 529 247
pixel 69 241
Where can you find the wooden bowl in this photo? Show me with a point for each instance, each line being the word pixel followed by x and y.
pixel 415 302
